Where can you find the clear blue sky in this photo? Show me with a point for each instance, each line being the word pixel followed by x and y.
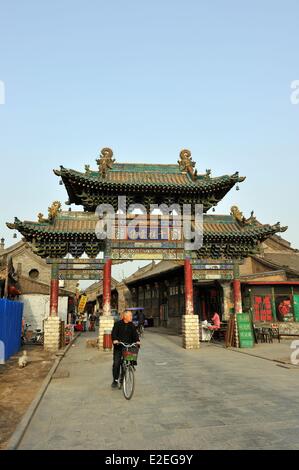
pixel 148 78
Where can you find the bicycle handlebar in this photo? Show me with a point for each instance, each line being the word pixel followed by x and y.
pixel 127 345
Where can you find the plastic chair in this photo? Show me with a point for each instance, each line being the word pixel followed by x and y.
pixel 266 335
pixel 208 335
pixel 274 332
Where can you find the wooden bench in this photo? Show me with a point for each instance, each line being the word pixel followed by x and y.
pixel 219 334
pixel 287 334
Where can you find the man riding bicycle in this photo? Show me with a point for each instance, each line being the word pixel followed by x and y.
pixel 124 331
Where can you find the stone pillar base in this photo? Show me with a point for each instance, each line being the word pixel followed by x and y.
pixel 106 323
pixel 190 331
pixel 52 334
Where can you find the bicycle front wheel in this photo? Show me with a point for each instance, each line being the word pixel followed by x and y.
pixel 129 382
pixel 121 376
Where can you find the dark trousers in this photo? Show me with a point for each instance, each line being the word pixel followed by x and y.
pixel 117 355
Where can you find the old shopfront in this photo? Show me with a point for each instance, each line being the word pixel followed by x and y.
pixel 160 290
pixel 272 301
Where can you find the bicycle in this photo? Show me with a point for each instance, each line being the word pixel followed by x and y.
pixel 37 338
pixel 126 377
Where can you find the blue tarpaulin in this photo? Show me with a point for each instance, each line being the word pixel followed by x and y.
pixel 10 328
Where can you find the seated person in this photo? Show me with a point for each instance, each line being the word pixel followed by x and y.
pixel 216 322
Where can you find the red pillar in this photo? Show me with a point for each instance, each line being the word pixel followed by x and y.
pixel 54 292
pixel 237 296
pixel 188 288
pixel 107 287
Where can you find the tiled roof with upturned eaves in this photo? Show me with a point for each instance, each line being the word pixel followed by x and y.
pixel 152 175
pixel 78 223
pixel 145 183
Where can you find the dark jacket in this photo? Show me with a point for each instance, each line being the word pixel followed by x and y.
pixel 124 332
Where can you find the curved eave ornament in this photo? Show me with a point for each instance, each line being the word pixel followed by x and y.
pixel 15 225
pixel 58 172
pixel 252 221
pixel 238 178
pixel 279 229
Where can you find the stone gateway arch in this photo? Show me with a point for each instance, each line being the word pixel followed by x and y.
pixel 225 240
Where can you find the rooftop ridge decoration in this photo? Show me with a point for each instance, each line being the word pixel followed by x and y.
pixel 53 210
pixel 106 160
pixel 252 220
pixel 238 215
pixel 186 164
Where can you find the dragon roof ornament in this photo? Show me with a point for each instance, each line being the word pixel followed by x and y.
pixel 186 163
pixel 53 210
pixel 238 215
pixel 106 160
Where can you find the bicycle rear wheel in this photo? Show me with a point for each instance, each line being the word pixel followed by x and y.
pixel 129 382
pixel 140 331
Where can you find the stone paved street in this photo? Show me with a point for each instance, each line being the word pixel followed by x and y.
pixel 208 399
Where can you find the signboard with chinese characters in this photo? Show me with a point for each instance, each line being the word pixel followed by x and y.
pixel 80 275
pixel 213 271
pixel 209 275
pixel 213 267
pixel 76 263
pixel 146 250
pixel 78 267
pixel 245 330
pixel 146 254
pixel 82 303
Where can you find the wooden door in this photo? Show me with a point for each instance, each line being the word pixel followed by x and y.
pixel 164 314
